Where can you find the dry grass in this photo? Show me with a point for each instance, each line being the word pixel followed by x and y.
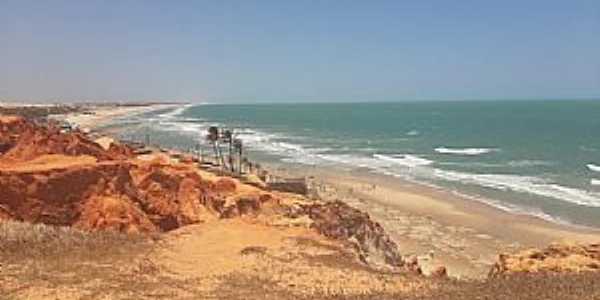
pixel 53 258
pixel 583 286
pixel 23 241
pixel 40 261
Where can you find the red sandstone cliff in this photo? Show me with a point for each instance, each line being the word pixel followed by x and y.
pixel 66 179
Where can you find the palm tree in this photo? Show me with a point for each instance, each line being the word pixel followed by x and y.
pixel 247 164
pixel 237 144
pixel 213 138
pixel 228 138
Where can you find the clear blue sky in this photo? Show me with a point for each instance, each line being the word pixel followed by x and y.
pixel 247 51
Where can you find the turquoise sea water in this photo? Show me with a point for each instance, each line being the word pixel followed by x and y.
pixel 534 157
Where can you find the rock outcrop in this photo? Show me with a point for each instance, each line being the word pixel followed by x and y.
pixel 340 221
pixel 34 143
pixel 171 196
pixel 118 195
pixel 61 196
pixel 556 258
pixel 21 141
pixel 11 127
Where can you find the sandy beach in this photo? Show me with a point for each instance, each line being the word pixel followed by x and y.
pixel 440 227
pixel 100 115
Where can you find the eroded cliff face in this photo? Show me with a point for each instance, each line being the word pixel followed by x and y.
pixel 68 196
pixel 21 140
pixel 171 196
pixel 11 128
pixel 115 195
pixel 556 258
pixel 339 221
pixel 51 177
pixel 40 141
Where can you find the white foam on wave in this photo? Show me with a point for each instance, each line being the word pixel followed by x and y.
pixel 350 160
pixel 528 163
pixel 386 164
pixel 524 184
pixel 381 164
pixel 412 133
pixel 253 139
pixel 175 112
pixel 464 151
pixel 587 149
pixel 593 167
pixel 472 164
pixel 406 160
pixel 515 209
pixel 513 164
pixel 392 164
pixel 595 182
pixel 280 145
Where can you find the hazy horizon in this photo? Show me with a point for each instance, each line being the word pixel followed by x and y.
pixel 295 52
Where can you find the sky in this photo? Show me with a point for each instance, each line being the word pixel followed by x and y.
pixel 297 51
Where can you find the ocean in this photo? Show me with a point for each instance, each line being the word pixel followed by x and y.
pixel 540 158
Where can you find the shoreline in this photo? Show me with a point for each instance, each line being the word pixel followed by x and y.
pixel 105 114
pixel 436 225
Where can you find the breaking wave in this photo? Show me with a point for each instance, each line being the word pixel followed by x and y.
pixel 175 112
pixel 593 167
pixel 413 133
pixel 463 151
pixel 528 163
pixel 406 160
pixel 524 184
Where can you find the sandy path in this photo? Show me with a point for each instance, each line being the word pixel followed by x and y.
pixel 218 255
pixel 209 250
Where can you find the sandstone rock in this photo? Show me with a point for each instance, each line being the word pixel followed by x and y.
pixel 58 196
pixel 254 180
pixel 556 258
pixel 248 205
pixel 412 264
pixel 225 185
pixel 4 215
pixel 439 272
pixel 119 214
pixel 10 129
pixel 21 140
pixel 107 195
pixel 340 221
pixel 172 197
pixel 104 142
pixel 120 151
pixel 39 141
